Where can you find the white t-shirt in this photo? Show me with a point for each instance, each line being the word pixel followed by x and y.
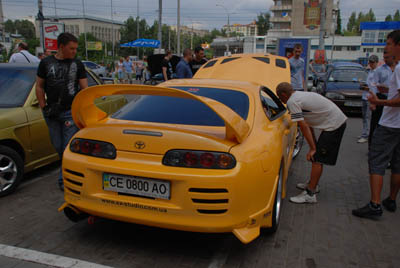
pixel 391 115
pixel 23 57
pixel 318 111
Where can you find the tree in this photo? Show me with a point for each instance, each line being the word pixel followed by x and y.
pixel 351 24
pixel 263 23
pixel 389 18
pixel 370 16
pixel 9 26
pixel 23 27
pixel 339 23
pixel 396 16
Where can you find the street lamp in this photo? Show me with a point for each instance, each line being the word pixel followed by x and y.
pixel 229 27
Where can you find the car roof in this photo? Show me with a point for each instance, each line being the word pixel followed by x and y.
pixel 346 64
pixel 261 69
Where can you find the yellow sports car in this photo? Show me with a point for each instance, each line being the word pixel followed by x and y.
pixel 209 154
pixel 24 137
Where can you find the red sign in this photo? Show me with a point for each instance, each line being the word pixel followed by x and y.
pixel 51 29
pixel 50 44
pixel 312 14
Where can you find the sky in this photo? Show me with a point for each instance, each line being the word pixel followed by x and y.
pixel 202 14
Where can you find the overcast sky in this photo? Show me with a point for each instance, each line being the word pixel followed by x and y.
pixel 203 14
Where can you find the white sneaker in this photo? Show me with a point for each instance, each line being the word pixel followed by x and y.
pixel 304 197
pixel 362 140
pixel 303 186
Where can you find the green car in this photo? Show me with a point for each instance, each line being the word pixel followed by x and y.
pixel 24 137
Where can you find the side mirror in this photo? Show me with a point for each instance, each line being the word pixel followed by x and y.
pixel 35 102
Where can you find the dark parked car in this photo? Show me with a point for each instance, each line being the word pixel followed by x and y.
pixel 341 84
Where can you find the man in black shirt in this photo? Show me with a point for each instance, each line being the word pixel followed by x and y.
pixel 60 77
pixel 166 66
pixel 198 59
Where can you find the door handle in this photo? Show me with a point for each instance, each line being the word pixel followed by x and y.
pixel 286 132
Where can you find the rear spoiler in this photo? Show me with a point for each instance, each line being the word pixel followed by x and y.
pixel 86 113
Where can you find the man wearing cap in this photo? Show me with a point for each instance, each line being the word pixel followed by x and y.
pixel 373 63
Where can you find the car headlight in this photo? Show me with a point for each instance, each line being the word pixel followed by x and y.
pixel 334 95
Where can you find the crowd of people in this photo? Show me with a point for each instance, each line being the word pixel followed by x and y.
pixel 381 96
pixel 61 76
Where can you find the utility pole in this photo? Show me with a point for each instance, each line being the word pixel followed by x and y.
pixel 322 29
pixel 137 22
pixel 84 27
pixel 229 27
pixel 112 31
pixel 55 9
pixel 160 22
pixel 169 38
pixel 178 29
pixel 40 17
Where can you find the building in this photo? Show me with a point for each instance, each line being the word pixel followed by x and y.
pixel 190 30
pixel 100 28
pixel 373 35
pixel 242 29
pixel 289 18
pixel 346 48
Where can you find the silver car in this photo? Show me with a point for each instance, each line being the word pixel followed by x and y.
pixel 97 69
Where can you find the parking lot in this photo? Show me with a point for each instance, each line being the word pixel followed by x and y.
pixel 320 235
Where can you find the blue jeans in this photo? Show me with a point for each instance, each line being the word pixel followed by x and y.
pixel 61 130
pixel 365 118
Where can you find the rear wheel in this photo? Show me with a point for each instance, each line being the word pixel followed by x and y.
pixel 11 170
pixel 276 214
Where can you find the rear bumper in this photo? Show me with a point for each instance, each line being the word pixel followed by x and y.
pixel 201 200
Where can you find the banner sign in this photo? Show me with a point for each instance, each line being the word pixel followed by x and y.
pixel 94 46
pixel 285 49
pixel 312 14
pixel 51 31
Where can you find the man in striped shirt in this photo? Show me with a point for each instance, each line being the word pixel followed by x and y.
pixel 314 111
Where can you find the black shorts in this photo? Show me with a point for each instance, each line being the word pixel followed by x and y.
pixel 328 146
pixel 385 148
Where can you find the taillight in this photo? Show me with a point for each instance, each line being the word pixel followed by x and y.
pixel 199 159
pixel 93 148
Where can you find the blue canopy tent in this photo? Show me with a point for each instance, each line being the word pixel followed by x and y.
pixel 142 43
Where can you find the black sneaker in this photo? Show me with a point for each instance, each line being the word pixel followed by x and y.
pixel 389 204
pixel 368 211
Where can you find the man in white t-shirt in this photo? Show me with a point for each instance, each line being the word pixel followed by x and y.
pixel 312 110
pixel 385 143
pixel 23 55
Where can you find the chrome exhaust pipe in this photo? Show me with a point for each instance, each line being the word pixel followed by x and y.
pixel 74 215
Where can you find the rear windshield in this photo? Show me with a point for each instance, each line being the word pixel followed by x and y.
pixel 15 85
pixel 172 110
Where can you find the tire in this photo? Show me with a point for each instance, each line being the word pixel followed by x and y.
pixel 11 170
pixel 276 213
pixel 298 144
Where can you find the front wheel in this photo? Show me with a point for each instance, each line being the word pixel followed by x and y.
pixel 298 144
pixel 11 170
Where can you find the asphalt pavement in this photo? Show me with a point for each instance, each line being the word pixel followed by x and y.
pixel 34 234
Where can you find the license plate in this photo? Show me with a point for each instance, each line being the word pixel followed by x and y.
pixel 353 103
pixel 136 185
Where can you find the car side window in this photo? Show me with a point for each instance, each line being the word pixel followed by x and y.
pixel 272 106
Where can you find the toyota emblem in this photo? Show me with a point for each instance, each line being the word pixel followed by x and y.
pixel 140 145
